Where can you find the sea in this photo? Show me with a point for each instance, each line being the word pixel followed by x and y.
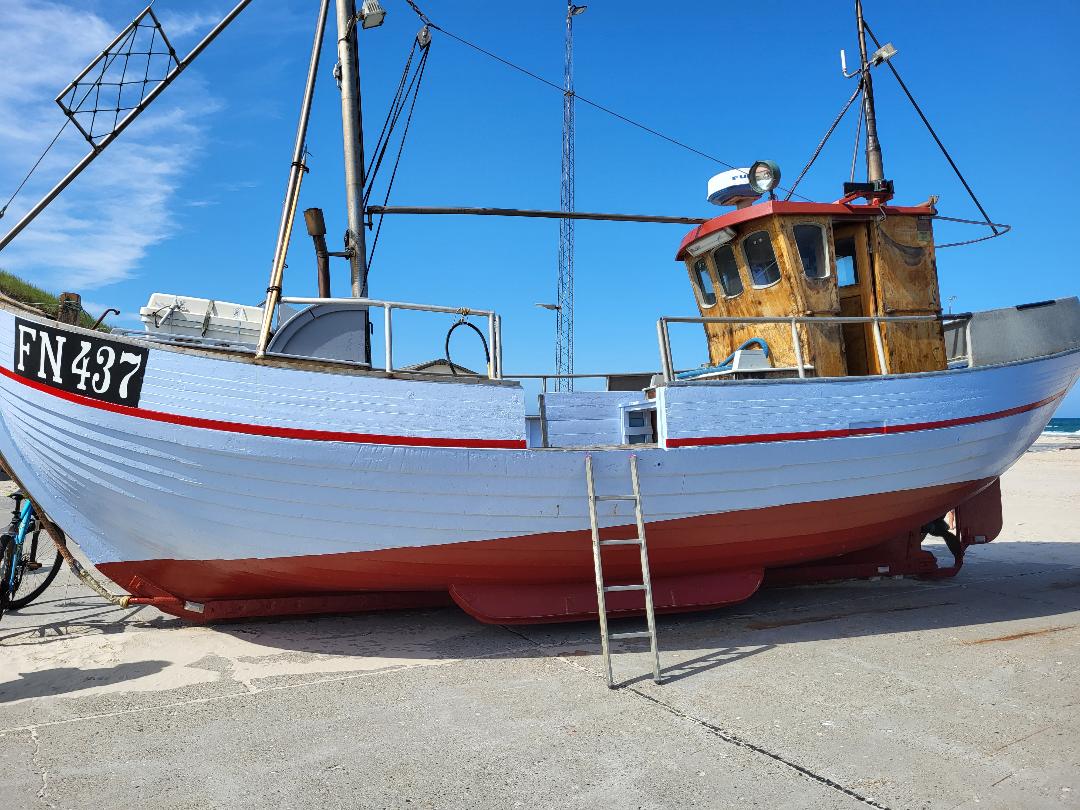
pixel 1064 426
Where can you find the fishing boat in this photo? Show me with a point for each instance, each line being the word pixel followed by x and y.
pixel 231 462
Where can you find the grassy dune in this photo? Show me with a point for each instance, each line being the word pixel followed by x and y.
pixel 26 293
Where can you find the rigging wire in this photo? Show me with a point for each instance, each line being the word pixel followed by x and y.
pixel 398 103
pixel 33 168
pixel 1004 230
pixel 821 145
pixel 986 217
pixel 858 138
pixel 105 65
pixel 587 101
pixel 413 90
pixel 390 122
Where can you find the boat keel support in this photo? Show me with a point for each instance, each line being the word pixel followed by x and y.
pixel 576 601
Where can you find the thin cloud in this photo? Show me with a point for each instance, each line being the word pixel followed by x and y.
pixel 99 230
pixel 183 24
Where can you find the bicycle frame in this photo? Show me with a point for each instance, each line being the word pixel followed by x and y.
pixel 25 518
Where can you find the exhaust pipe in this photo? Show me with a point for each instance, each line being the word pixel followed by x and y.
pixel 316 228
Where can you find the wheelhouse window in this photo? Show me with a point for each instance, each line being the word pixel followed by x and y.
pixel 727 270
pixel 810 240
pixel 703 281
pixel 847 274
pixel 760 258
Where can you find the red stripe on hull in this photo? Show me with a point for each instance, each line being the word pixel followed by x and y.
pixel 730 541
pixel 266 430
pixel 754 438
pixel 497 444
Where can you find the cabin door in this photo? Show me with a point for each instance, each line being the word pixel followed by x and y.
pixel 855 285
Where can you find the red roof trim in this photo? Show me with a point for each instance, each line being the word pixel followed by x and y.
pixel 266 430
pixel 766 209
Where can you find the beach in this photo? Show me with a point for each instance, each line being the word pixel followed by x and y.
pixel 896 693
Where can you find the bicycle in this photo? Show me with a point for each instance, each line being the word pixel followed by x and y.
pixel 19 568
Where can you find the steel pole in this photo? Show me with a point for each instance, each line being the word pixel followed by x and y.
pixel 353 133
pixel 292 189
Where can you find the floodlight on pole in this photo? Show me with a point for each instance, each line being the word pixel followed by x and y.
pixel 372 14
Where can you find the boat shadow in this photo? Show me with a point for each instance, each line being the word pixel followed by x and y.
pixel 1004 582
pixel 62 680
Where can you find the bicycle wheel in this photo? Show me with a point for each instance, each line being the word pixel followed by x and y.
pixel 7 561
pixel 34 579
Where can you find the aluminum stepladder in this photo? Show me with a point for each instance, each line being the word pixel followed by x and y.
pixel 646 580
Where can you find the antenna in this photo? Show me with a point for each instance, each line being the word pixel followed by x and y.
pixel 564 312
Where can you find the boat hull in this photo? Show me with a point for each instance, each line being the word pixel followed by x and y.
pixel 299 490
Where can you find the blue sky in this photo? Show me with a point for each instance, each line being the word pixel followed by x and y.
pixel 188 199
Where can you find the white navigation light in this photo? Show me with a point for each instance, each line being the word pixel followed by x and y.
pixel 713 240
pixel 882 54
pixel 372 14
pixel 764 176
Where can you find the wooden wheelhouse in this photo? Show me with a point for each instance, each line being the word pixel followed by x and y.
pixel 782 259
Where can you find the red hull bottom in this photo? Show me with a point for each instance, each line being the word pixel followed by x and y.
pixel 697 563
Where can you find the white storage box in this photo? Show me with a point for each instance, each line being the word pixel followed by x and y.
pixel 187 317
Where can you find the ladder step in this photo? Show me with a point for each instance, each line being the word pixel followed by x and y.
pixel 615 498
pixel 638 634
pixel 614 588
pixel 634 541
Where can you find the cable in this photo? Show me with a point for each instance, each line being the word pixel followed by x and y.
pixel 858 137
pixel 555 86
pixel 821 145
pixel 418 77
pixel 105 65
pixel 1005 230
pixel 944 151
pixel 33 168
pixel 390 116
pixel 475 328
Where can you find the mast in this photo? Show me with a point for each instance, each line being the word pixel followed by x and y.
pixel 564 312
pixel 875 169
pixel 292 191
pixel 348 72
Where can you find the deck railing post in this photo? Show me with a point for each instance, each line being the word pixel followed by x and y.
pixel 388 336
pixel 879 347
pixel 796 344
pixel 491 346
pixel 967 344
pixel 665 349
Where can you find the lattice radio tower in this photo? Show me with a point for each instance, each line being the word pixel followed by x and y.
pixel 564 315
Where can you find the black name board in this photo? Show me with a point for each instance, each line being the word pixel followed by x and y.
pixel 94 367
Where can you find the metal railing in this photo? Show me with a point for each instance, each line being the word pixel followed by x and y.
pixel 795 321
pixel 494 325
pixel 545 377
